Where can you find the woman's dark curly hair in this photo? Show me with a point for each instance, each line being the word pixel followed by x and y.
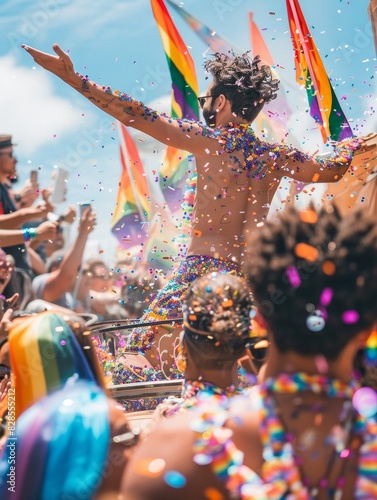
pixel 245 82
pixel 314 278
pixel 216 316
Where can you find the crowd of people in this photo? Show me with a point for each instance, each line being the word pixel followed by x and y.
pixel 272 324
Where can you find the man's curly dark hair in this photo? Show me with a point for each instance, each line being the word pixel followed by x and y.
pixel 245 82
pixel 314 278
pixel 216 317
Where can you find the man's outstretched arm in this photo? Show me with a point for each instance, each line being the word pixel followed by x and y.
pixel 181 134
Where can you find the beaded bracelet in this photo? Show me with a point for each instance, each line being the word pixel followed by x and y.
pixel 29 233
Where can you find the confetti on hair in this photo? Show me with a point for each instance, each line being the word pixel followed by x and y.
pixel 328 268
pixel 309 216
pixel 293 276
pixel 326 297
pixel 315 322
pixel 307 252
pixel 350 317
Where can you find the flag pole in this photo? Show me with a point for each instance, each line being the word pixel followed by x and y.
pixel 372 11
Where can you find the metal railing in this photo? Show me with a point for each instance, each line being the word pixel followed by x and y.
pixel 156 390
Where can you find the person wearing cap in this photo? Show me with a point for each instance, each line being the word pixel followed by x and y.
pixel 27 195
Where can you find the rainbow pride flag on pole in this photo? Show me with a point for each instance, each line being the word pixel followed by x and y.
pixel 279 110
pixel 311 72
pixel 181 65
pixel 134 207
pixel 174 168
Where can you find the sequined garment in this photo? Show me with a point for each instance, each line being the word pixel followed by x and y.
pixel 260 156
pixel 167 302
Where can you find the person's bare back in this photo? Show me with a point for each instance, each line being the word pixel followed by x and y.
pixel 229 203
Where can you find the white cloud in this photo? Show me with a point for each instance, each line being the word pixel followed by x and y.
pixel 26 102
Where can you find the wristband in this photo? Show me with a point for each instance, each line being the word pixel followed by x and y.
pixel 29 233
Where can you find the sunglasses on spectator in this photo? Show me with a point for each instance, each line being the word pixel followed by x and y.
pixel 258 348
pixel 10 154
pixel 98 276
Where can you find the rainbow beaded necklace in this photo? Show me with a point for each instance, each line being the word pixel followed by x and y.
pixel 280 472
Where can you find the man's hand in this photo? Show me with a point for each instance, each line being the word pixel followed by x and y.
pixel 6 318
pixel 87 222
pixel 46 231
pixel 60 65
pixel 29 193
pixel 69 214
pixel 39 211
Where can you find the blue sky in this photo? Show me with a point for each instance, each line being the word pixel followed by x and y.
pixel 117 43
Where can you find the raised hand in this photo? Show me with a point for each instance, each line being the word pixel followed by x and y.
pixel 87 221
pixel 60 65
pixel 29 193
pixel 47 231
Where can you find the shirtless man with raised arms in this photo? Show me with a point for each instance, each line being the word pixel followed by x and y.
pixel 237 174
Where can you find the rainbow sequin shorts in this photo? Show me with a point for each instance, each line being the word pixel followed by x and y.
pixel 167 303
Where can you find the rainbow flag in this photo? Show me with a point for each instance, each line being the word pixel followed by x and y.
pixel 181 65
pixel 278 110
pixel 44 354
pixel 133 207
pixel 311 72
pixel 174 168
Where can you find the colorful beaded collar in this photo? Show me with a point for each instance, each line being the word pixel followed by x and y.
pixel 280 474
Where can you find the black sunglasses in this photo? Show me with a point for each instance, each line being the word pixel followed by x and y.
pixel 202 99
pixel 258 348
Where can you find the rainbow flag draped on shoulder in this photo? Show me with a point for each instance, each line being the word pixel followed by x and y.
pixel 311 72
